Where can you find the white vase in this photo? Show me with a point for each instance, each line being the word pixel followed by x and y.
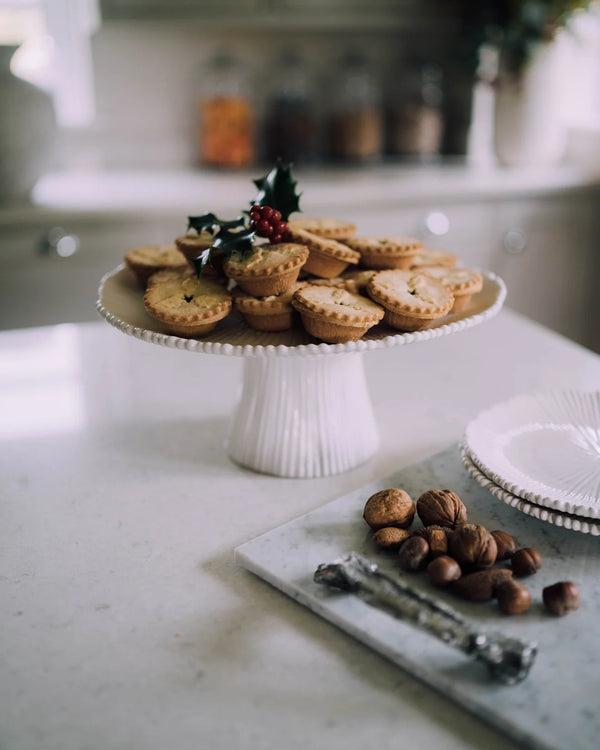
pixel 528 128
pixel 27 131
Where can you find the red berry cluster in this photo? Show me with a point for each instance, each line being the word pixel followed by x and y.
pixel 266 222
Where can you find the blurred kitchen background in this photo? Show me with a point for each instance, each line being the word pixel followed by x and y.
pixel 472 125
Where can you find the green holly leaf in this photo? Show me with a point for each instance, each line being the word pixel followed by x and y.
pixel 234 242
pixel 278 190
pixel 205 223
pixel 201 261
pixel 210 223
pixel 230 236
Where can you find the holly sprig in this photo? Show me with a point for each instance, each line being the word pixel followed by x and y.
pixel 230 236
pixel 277 189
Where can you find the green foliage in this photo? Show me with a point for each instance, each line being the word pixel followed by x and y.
pixel 516 26
pixel 531 22
pixel 229 236
pixel 210 223
pixel 239 242
pixel 278 190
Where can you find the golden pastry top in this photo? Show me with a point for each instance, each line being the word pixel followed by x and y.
pixel 266 260
pixel 458 280
pixel 389 246
pixel 429 256
pixel 333 229
pixel 411 292
pixel 332 248
pixel 337 304
pixel 155 255
pixel 186 300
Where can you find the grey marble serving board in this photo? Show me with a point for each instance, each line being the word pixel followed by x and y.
pixel 558 705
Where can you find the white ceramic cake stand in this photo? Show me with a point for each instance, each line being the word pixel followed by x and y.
pixel 305 409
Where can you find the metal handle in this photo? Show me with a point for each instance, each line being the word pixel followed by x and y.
pixel 59 243
pixel 508 659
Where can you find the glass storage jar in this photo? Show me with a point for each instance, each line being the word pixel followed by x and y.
pixel 416 117
pixel 356 124
pixel 290 131
pixel 226 113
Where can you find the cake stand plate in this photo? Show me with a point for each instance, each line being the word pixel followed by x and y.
pixel 302 412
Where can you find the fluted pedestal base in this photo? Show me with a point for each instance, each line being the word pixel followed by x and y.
pixel 303 417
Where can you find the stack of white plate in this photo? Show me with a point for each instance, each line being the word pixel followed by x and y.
pixel 540 453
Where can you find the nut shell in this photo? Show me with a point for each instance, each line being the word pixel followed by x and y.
pixel 414 553
pixel 513 597
pixel 390 537
pixel 505 543
pixel 525 562
pixel 391 507
pixel 436 536
pixel 482 585
pixel 442 508
pixel 443 570
pixel 561 598
pixel 472 546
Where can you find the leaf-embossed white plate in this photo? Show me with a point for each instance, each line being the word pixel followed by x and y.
pixel 543 447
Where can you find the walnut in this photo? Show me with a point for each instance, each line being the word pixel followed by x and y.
pixel 472 546
pixel 441 507
pixel 392 507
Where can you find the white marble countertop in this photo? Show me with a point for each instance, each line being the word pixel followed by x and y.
pixel 127 624
pixel 183 192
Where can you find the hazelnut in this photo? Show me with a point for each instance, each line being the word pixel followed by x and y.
pixel 525 562
pixel 481 585
pixel 505 543
pixel 437 538
pixel 390 537
pixel 513 597
pixel 443 570
pixel 441 507
pixel 414 553
pixel 472 546
pixel 561 598
pixel 392 507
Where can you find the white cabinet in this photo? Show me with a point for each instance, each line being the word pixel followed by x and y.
pixel 547 250
pixel 51 266
pixel 277 14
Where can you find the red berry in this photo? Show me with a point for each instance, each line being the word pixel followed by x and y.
pixel 275 238
pixel 256 207
pixel 255 216
pixel 264 228
pixel 283 227
pixel 266 212
pixel 276 216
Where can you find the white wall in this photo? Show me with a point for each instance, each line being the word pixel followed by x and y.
pixel 147 79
